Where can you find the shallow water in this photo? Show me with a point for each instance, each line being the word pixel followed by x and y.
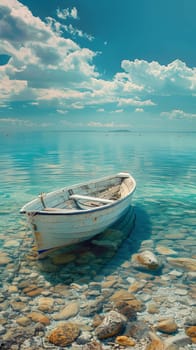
pixel 164 202
pixel 162 164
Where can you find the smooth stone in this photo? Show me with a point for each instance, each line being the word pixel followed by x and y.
pixel 152 308
pixel 173 236
pixel 32 290
pixel 4 259
pixel 137 285
pixel 39 317
pixel 175 273
pixel 187 263
pixel 64 334
pixel 125 341
pixel 125 309
pixel 23 321
pixel 12 289
pixel 11 243
pixel 191 332
pixel 70 310
pixel 112 324
pixel 165 250
pixel 35 292
pixel 181 291
pixel 131 306
pixel 122 294
pixel 45 304
pixel 108 283
pixel 18 305
pixel 167 325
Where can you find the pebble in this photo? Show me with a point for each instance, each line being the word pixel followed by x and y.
pixel 112 324
pixel 39 317
pixel 191 332
pixel 165 250
pixel 181 291
pixel 64 334
pixel 68 311
pixel 125 341
pixel 88 300
pixel 167 325
pixel 4 259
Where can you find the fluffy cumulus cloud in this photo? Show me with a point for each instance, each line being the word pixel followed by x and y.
pixel 154 78
pixel 48 67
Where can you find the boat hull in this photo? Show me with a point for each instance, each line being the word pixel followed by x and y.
pixel 57 230
pixel 55 227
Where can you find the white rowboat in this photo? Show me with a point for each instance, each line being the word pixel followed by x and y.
pixel 77 213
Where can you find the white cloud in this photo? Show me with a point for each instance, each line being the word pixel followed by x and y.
pixel 118 111
pixel 74 13
pixel 139 110
pixel 154 78
pixel 134 102
pixel 62 111
pixel 47 68
pixel 178 114
pixel 67 13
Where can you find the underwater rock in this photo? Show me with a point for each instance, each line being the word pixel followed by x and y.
pixel 125 309
pixel 156 343
pixel 23 321
pixel 146 259
pixel 112 324
pixel 64 334
pixel 4 259
pixel 91 307
pixel 93 345
pixel 165 250
pixel 167 325
pixel 122 294
pixel 187 263
pixel 39 317
pixel 125 341
pixel 191 332
pixel 45 304
pixel 68 311
pixel 152 308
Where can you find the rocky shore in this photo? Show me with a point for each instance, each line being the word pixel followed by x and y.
pixel 100 295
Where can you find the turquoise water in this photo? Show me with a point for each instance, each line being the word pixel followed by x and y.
pixel 163 165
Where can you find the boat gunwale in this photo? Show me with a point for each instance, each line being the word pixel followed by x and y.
pixel 65 212
pixel 80 211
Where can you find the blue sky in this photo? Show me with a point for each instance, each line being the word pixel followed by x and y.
pixel 128 64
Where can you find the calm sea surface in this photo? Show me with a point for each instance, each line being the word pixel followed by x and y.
pixel 163 164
